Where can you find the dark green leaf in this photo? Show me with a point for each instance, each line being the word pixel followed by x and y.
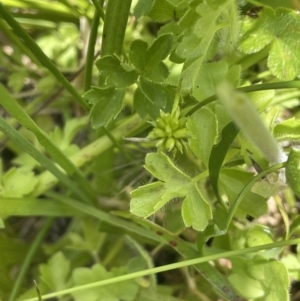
pixel 138 49
pixel 142 8
pixel 218 154
pixel 107 104
pixel 158 50
pixel 162 96
pixel 116 74
pixel 144 106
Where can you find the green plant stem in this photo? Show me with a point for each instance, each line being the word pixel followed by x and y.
pixel 88 153
pixel 252 59
pixel 29 256
pixel 98 5
pixel 88 71
pixel 116 18
pixel 294 84
pixel 172 266
pixel 11 35
pixel 36 50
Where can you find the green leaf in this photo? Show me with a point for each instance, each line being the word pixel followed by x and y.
pixel 212 74
pixel 218 154
pixel 144 106
pixel 161 11
pixel 125 290
pixel 161 95
pixel 292 171
pixel 232 182
pixel 195 211
pixel 283 60
pixel 137 53
pixel 260 278
pixel 287 130
pixel 196 43
pixel 18 182
pixel 204 131
pixel 142 8
pixel 148 199
pixel 114 73
pixel 158 50
pixel 55 273
pixel 107 104
pixel 259 235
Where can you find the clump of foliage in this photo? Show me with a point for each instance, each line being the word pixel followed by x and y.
pixel 149 150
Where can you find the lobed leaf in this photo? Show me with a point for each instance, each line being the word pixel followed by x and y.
pixel 282 36
pixel 125 290
pixel 116 75
pixel 148 199
pixel 287 130
pixel 102 99
pixel 55 273
pixel 18 182
pixel 203 126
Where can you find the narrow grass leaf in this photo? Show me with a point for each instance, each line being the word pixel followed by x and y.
pixel 16 137
pixel 12 106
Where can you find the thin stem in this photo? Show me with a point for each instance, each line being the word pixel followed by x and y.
pixel 294 84
pixel 172 266
pixel 29 257
pixel 98 7
pixel 88 71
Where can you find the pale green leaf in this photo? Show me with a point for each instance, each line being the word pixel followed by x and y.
pixel 196 212
pixel 245 285
pixel 273 276
pixel 18 182
pixel 161 167
pixel 277 28
pixel 55 273
pixel 125 290
pixel 148 199
pixel 293 170
pixel 203 126
pixel 287 130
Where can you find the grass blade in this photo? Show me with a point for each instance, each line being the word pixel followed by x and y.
pixel 40 55
pixel 16 137
pixel 12 106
